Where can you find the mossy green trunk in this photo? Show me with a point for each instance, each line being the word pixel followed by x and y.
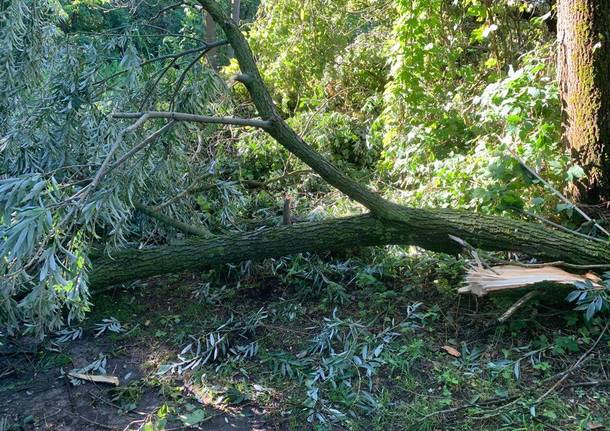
pixel 583 32
pixel 427 228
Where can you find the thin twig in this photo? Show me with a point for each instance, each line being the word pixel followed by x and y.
pixel 190 189
pixel 154 85
pixel 563 228
pixel 591 383
pixel 553 427
pixel 153 137
pixel 262 184
pixel 556 192
pixel 166 9
pixel 465 406
pixel 186 228
pixel 576 365
pixel 97 424
pixel 518 304
pixel 205 47
pixel 473 253
pixel 183 77
pixel 117 143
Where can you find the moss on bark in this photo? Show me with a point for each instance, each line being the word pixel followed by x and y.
pixel 584 75
pixel 427 228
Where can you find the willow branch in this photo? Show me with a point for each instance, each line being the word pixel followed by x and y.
pixel 183 227
pixel 150 139
pixel 183 77
pixel 174 56
pixel 190 189
pixel 193 118
pixel 105 164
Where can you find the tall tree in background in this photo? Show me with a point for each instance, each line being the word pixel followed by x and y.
pixel 583 33
pixel 235 9
pixel 210 37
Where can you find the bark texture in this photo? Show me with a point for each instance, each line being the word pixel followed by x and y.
pixel 427 228
pixel 235 10
pixel 210 37
pixel 583 33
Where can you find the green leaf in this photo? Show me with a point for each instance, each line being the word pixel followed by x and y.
pixel 193 418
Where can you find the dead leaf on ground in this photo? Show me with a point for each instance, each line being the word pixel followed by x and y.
pixel 452 351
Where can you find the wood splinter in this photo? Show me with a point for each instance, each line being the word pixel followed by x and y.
pixel 110 380
pixel 481 281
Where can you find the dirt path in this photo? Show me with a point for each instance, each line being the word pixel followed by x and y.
pixel 35 395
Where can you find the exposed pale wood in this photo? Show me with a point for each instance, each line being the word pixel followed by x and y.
pixel 109 380
pixel 481 282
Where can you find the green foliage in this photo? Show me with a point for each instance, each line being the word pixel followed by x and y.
pixel 458 100
pixel 424 100
pixel 591 298
pixel 55 133
pixel 296 41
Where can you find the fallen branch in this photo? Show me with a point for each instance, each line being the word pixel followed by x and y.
pixel 388 223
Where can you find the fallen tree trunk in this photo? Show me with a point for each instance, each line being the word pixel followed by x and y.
pixel 388 223
pixel 427 228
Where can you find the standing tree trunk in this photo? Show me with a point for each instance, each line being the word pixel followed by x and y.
pixel 210 37
pixel 235 9
pixel 583 32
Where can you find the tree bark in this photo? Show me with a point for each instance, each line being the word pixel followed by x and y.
pixel 235 10
pixel 210 37
pixel 584 77
pixel 427 228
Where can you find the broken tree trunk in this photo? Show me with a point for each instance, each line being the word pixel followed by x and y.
pixel 388 223
pixel 485 281
pixel 427 228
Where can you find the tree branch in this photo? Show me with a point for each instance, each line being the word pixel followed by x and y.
pixel 183 77
pixel 102 170
pixel 180 116
pixel 282 133
pixel 153 137
pixel 174 56
pixel 183 227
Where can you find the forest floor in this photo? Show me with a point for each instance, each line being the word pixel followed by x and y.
pixel 435 361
